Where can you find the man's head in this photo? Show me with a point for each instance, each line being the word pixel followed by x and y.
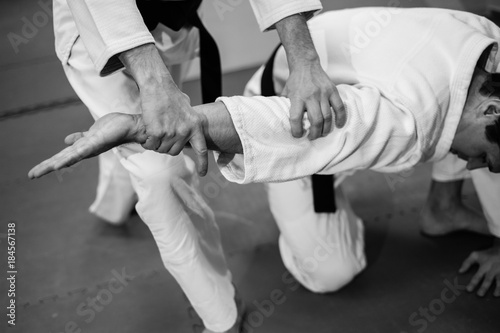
pixel 477 139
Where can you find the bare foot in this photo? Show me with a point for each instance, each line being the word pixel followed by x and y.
pixel 440 220
pixel 444 211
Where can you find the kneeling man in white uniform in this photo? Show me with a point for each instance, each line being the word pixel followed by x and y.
pixel 418 87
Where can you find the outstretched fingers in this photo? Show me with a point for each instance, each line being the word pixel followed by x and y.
pixel 72 138
pixel 77 151
pixel 339 109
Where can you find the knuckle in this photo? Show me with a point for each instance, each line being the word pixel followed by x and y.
pixel 183 131
pixel 153 132
pixel 315 131
pixel 174 152
pixel 186 98
pixel 161 151
pixel 317 122
pixel 328 116
pixel 297 109
pixel 167 135
pixel 194 120
pixel 201 152
pixel 147 146
pixel 198 123
pixel 340 109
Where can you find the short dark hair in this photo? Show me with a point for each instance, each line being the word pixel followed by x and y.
pixel 491 87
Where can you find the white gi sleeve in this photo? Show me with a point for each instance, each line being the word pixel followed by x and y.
pixel 107 28
pixel 378 135
pixel 268 12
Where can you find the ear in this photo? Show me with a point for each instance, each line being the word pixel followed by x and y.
pixel 492 108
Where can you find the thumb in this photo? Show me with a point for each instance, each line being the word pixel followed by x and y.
pixel 72 138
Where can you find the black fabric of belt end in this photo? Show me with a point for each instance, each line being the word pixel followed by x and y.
pixel 177 14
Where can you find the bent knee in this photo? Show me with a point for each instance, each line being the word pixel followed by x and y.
pixel 332 276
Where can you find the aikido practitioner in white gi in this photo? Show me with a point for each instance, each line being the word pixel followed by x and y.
pixel 444 211
pixel 155 41
pixel 430 93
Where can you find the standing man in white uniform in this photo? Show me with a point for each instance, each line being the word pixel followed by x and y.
pixel 94 39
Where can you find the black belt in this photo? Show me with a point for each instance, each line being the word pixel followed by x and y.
pixel 322 185
pixel 175 15
pixel 211 77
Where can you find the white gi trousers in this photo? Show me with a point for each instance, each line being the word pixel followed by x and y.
pixel 323 251
pixel 486 183
pixel 164 187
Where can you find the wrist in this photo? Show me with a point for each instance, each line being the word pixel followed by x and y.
pixel 304 59
pixel 138 130
pixel 145 65
pixel 296 39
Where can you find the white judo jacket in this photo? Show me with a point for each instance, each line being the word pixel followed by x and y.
pixel 109 27
pixel 408 73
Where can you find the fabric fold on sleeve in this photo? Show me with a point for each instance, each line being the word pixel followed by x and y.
pixel 268 13
pixel 378 135
pixel 108 28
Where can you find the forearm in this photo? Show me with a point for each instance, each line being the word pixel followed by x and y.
pixel 146 66
pixel 296 39
pixel 268 12
pixel 219 130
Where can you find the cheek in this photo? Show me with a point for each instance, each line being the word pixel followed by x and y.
pixel 470 149
pixel 475 163
pixel 476 145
